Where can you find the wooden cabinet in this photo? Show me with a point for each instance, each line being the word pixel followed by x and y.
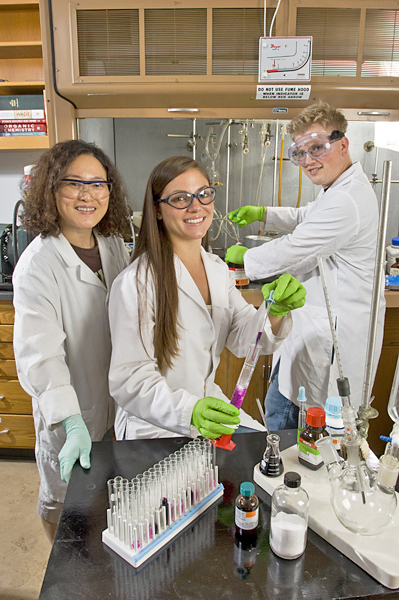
pixel 16 421
pixel 21 61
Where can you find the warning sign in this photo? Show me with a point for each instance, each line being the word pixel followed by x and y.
pixel 283 92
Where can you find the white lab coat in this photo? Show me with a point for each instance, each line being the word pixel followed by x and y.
pixel 151 404
pixel 340 225
pixel 62 343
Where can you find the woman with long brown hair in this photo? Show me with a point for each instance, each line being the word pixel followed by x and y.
pixel 174 309
pixel 76 205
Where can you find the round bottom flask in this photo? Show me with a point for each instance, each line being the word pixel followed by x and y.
pixel 362 505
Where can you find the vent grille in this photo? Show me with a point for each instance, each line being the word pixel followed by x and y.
pixel 381 43
pixel 335 34
pixel 235 39
pixel 175 41
pixel 108 42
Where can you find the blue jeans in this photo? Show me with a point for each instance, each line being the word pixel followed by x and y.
pixel 280 412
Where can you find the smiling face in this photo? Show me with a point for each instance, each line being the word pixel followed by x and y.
pixel 78 216
pixel 188 224
pixel 325 170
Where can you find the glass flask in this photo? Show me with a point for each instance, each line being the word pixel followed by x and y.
pixel 271 464
pixel 363 502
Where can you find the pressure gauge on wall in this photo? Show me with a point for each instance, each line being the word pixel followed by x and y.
pixel 284 59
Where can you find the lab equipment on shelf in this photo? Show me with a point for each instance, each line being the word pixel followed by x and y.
pixel 393 257
pixel 147 512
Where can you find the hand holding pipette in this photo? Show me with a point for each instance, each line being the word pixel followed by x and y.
pixel 288 295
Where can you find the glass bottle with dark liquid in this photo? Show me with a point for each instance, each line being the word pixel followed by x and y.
pixel 246 511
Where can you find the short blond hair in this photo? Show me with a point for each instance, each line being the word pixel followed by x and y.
pixel 321 113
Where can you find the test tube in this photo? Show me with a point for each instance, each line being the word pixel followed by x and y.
pixel 245 376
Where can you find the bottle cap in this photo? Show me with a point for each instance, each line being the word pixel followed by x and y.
pixel 333 406
pixel 292 479
pixel 395 241
pixel 315 416
pixel 247 488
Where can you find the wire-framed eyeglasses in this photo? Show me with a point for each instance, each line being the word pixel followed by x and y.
pixel 182 200
pixel 73 188
pixel 317 145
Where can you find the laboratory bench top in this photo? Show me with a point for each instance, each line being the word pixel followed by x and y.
pixel 205 561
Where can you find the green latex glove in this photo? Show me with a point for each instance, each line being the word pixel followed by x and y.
pixel 76 447
pixel 209 413
pixel 289 294
pixel 235 254
pixel 247 215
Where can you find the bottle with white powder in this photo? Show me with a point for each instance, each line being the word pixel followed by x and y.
pixel 289 519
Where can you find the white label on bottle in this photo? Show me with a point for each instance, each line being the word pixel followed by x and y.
pixel 246 520
pixel 393 271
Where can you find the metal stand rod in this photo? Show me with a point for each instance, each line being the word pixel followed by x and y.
pixel 378 279
pixel 194 138
pixel 228 159
pixel 275 165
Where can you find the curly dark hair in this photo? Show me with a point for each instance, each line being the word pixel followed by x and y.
pixel 40 214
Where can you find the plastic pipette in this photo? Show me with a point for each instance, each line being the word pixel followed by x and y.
pixel 245 376
pixel 302 410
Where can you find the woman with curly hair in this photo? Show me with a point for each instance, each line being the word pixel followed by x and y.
pixel 76 205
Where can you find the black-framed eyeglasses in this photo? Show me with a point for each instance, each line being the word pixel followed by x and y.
pixel 182 200
pixel 73 188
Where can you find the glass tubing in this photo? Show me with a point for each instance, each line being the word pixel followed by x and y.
pixel 142 508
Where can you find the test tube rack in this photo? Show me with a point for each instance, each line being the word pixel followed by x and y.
pixel 148 512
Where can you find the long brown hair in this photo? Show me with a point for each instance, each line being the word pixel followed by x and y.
pixel 40 214
pixel 155 255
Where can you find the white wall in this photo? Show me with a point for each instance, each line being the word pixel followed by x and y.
pixel 11 172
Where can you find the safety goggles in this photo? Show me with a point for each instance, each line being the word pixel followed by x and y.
pixel 316 144
pixel 185 199
pixel 73 188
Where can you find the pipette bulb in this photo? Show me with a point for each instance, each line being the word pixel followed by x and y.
pixel 301 394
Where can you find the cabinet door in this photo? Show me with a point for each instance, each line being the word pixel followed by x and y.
pixel 13 399
pixel 17 431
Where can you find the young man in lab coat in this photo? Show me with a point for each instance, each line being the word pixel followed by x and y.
pixel 340 226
